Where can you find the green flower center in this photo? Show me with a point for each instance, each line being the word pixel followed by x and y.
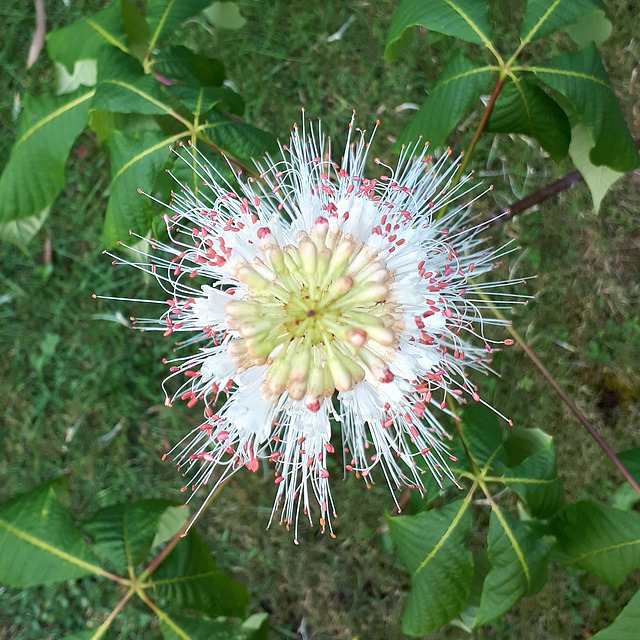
pixel 319 314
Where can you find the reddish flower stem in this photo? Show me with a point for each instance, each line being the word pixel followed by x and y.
pixel 483 121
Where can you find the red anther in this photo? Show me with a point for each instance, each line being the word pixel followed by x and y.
pixel 252 464
pixel 386 376
pixel 508 342
pixel 279 479
pixel 221 436
pixel 324 473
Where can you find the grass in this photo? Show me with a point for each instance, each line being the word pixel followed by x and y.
pixel 81 394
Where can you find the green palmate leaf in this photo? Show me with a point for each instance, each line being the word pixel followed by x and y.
pixel 34 174
pixel 536 481
pixel 518 560
pixel 581 78
pixel 238 140
pixel 124 533
pixel 464 19
pixel 483 438
pixel 461 83
pixel 123 87
pixel 525 108
pixel 180 64
pixel 136 161
pixel 84 39
pixel 189 577
pixel 165 16
pixel 39 542
pixel 433 545
pixel 599 539
pixel 543 17
pixel 599 179
pixel 181 628
pixel 626 625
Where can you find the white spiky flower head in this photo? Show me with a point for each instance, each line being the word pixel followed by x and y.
pixel 330 298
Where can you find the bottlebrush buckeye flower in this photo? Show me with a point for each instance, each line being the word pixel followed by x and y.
pixel 329 299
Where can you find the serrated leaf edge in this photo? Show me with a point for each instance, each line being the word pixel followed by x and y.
pixel 525 41
pixel 565 72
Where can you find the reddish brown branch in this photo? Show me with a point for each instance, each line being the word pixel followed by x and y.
pixel 498 218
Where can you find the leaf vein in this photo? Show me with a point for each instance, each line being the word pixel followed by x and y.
pixel 53 115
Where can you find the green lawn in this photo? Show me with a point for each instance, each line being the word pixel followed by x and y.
pixel 81 393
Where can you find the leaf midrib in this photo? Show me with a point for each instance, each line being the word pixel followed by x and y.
pixel 445 537
pixel 49 548
pixel 53 115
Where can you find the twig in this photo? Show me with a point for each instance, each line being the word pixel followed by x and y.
pixel 498 218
